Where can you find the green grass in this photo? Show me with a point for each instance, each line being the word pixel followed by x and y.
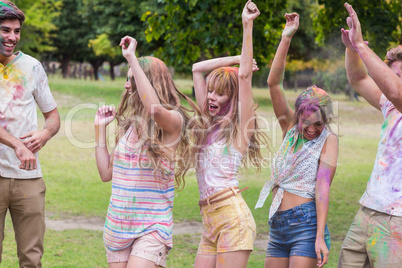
pixel 74 187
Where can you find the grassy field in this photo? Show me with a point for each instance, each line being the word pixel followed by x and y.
pixel 75 189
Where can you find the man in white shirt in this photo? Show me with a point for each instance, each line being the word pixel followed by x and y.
pixel 375 236
pixel 23 84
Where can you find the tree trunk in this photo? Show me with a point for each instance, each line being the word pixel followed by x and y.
pixel 95 65
pixel 112 76
pixel 65 61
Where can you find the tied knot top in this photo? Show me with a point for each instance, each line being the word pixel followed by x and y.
pixel 296 172
pixel 142 196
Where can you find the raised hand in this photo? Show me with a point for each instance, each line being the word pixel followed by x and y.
pixel 292 24
pixel 128 46
pixel 346 40
pixel 355 32
pixel 250 12
pixel 255 66
pixel 105 115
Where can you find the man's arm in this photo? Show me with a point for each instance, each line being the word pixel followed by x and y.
pixel 386 79
pixel 35 140
pixel 27 158
pixel 357 74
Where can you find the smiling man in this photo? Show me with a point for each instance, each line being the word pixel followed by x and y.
pixel 23 84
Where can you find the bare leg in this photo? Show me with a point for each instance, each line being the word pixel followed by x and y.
pixel 235 259
pixel 135 262
pixel 272 262
pixel 205 261
pixel 118 265
pixel 302 262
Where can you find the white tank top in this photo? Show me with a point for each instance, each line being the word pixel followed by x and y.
pixel 217 168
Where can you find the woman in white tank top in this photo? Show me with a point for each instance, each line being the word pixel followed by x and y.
pixel 225 97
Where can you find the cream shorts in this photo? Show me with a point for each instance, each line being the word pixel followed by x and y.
pixel 227 226
pixel 146 247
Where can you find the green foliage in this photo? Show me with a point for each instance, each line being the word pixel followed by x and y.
pixel 196 30
pixel 73 31
pixel 118 18
pixel 38 25
pixel 379 19
pixel 303 42
pixel 102 46
pixel 334 82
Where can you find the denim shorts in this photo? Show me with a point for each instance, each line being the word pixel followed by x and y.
pixel 293 232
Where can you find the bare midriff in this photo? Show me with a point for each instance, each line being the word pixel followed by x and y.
pixel 290 200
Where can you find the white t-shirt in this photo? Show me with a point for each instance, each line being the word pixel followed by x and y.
pixel 384 188
pixel 23 84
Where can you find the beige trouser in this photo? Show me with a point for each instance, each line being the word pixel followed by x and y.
pixel 25 199
pixel 374 240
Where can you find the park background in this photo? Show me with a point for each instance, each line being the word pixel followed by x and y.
pixel 77 43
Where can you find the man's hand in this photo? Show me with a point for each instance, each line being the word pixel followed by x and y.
pixel 35 140
pixel 355 31
pixel 27 158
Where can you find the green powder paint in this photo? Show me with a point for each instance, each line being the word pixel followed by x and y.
pixel 5 5
pixel 384 126
pixel 226 151
pixel 133 199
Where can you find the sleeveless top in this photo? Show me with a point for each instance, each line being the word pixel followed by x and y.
pixel 141 203
pixel 217 168
pixel 295 173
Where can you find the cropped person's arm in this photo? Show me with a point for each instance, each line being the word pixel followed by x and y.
pixel 202 68
pixel 35 140
pixel 357 74
pixel 326 172
pixel 387 80
pixel 169 120
pixel 103 117
pixel 27 158
pixel 247 122
pixel 275 78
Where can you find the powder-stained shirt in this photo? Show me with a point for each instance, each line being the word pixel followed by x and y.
pixel 23 84
pixel 384 187
pixel 294 172
pixel 217 168
pixel 141 203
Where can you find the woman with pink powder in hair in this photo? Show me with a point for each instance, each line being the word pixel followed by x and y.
pixel 230 136
pixel 302 170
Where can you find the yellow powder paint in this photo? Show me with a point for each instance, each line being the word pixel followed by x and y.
pixel 221 260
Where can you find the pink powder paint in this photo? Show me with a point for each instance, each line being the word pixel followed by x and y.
pixel 19 92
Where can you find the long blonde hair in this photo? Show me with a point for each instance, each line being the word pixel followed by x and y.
pixel 225 80
pixel 131 108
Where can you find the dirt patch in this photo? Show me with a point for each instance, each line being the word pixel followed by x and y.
pixel 96 224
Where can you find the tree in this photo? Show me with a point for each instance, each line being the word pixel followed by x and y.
pixel 116 19
pixel 194 30
pixel 36 31
pixel 103 47
pixel 74 30
pixel 380 20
